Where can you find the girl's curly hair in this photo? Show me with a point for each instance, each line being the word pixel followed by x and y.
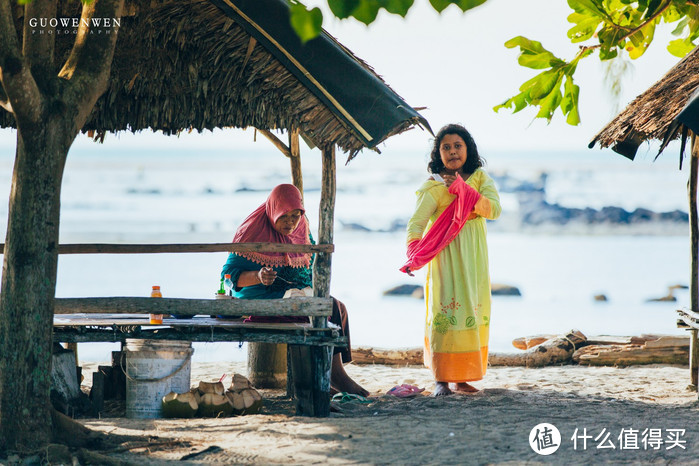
pixel 473 160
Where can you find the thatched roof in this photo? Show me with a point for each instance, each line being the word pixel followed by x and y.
pixel 189 65
pixel 652 114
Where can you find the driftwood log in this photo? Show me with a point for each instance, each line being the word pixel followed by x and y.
pixel 647 349
pixel 558 350
pixel 389 357
pixel 545 350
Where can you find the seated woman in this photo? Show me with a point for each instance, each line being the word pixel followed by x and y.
pixel 268 275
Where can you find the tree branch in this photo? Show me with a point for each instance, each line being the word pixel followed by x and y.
pixel 38 44
pixel 643 24
pixel 20 93
pixel 88 66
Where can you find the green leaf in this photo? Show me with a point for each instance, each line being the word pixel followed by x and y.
pixel 640 41
pixel 545 84
pixel 533 54
pixel 366 11
pixel 680 47
pixel 653 6
pixel 342 8
pixel 440 5
pixel 672 14
pixel 307 24
pixel 525 45
pixel 399 7
pixel 588 7
pixel 549 105
pixel 585 27
pixel 466 5
pixel 569 104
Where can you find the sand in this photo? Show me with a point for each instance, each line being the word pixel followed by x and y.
pixel 491 426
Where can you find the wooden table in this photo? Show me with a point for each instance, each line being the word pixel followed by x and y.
pixel 309 347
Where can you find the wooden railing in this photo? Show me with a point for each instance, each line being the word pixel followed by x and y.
pixel 184 306
pixel 95 248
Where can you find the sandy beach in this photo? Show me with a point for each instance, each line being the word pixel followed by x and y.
pixel 642 414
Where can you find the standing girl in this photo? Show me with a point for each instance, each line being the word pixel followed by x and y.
pixel 453 205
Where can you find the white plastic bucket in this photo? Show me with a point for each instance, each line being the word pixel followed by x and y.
pixel 153 369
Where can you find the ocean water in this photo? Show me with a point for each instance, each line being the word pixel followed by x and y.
pixel 156 196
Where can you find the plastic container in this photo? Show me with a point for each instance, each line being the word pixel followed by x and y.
pixel 153 369
pixel 156 319
pixel 228 284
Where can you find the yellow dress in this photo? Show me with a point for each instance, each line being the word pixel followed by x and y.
pixel 457 291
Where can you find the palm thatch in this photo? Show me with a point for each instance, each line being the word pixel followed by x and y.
pixel 651 114
pixel 186 65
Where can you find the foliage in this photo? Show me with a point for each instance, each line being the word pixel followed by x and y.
pixel 609 27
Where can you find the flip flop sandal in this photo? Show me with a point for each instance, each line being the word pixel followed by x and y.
pixel 405 391
pixel 344 397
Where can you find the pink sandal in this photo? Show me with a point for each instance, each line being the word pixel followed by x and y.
pixel 405 391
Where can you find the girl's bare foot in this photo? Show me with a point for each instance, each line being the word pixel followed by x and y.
pixel 341 381
pixel 466 388
pixel 441 389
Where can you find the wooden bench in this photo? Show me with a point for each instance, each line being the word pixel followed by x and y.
pixel 309 345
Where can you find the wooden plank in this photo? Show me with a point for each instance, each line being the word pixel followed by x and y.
pixel 688 318
pixel 329 337
pixel 185 306
pixel 105 248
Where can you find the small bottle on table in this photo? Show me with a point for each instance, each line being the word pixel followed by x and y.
pixel 156 318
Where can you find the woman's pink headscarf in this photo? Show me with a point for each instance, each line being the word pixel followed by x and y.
pixel 445 228
pixel 259 228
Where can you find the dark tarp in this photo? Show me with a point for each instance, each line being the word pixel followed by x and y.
pixel 332 74
pixel 687 119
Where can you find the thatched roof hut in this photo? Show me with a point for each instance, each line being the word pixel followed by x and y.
pixel 651 114
pixel 183 65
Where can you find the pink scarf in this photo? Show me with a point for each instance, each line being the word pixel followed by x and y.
pixel 445 228
pixel 259 228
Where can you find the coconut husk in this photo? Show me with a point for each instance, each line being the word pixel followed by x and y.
pixel 180 405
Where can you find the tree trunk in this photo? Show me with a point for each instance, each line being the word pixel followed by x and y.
pixel 28 287
pixel 49 109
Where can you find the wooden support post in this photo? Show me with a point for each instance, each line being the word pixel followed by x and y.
pixel 295 159
pixel 310 369
pixel 321 266
pixel 694 240
pixel 311 365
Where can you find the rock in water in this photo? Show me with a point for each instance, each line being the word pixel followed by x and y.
pixel 497 289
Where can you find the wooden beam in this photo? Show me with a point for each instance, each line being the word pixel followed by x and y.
pixel 189 247
pixel 183 306
pixel 295 160
pixel 694 240
pixel 276 141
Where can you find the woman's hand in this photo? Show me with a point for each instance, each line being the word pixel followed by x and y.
pixel 449 179
pixel 266 275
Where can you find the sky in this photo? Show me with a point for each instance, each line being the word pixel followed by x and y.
pixel 456 65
